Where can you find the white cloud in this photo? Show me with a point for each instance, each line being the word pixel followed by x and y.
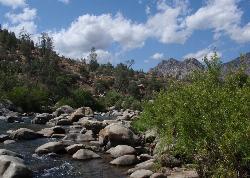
pixel 98 31
pixel 64 1
pixel 199 55
pixel 157 56
pixel 27 15
pixel 22 21
pixel 148 10
pixel 13 3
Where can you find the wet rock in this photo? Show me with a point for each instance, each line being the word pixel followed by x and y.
pixel 79 137
pixel 3 138
pixel 144 165
pixel 42 118
pixel 74 148
pixel 121 150
pixel 25 134
pixel 12 119
pixel 13 167
pixel 125 160
pixel 48 132
pixel 81 112
pixel 158 175
pixel 142 173
pixel 117 134
pixel 63 110
pixel 51 147
pixel 9 153
pixel 7 142
pixel 84 154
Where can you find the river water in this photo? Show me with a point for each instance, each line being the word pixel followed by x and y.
pixel 61 166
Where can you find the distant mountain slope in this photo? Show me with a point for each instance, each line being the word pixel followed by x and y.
pixel 180 69
pixel 177 69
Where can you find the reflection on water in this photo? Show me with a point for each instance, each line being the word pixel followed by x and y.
pixel 62 165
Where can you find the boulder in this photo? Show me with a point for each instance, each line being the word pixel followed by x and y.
pixel 51 147
pixel 81 112
pixel 12 119
pixel 77 137
pixel 121 150
pixel 150 135
pixel 84 154
pixel 93 125
pixel 3 138
pixel 63 110
pixel 9 153
pixel 13 167
pixel 158 175
pixel 74 148
pixel 64 122
pixel 48 132
pixel 117 134
pixel 7 142
pixel 125 160
pixel 42 118
pixel 142 173
pixel 24 134
pixel 149 165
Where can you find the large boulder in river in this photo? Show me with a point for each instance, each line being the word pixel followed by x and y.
pixel 125 160
pixel 121 150
pixel 24 134
pixel 63 110
pixel 81 112
pixel 84 154
pixel 117 134
pixel 42 118
pixel 142 173
pixel 13 167
pixel 51 147
pixel 93 125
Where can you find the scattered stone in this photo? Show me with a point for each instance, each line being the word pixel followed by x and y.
pixel 125 160
pixel 142 173
pixel 145 157
pixel 25 134
pixel 79 137
pixel 64 122
pixel 48 132
pixel 81 112
pixel 51 147
pixel 93 125
pixel 84 154
pixel 121 150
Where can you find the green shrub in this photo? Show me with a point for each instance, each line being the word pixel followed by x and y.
pixel 29 99
pixel 206 120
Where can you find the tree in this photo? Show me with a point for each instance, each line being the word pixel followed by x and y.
pixel 46 44
pixel 134 90
pixel 26 44
pixel 93 64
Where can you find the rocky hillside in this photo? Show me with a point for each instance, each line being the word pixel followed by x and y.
pixel 177 69
pixel 180 69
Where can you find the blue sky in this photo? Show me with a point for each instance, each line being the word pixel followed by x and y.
pixel 147 31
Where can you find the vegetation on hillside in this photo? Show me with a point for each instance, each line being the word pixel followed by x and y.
pixel 35 78
pixel 205 121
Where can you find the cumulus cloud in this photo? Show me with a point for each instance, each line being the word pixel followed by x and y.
pixel 199 55
pixel 22 21
pixel 157 56
pixel 27 15
pixel 98 31
pixel 13 3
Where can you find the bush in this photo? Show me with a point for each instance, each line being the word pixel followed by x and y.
pixel 206 120
pixel 29 99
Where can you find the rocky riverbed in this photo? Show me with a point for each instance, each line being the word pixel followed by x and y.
pixel 79 143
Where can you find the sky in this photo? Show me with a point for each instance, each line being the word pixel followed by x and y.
pixel 147 31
